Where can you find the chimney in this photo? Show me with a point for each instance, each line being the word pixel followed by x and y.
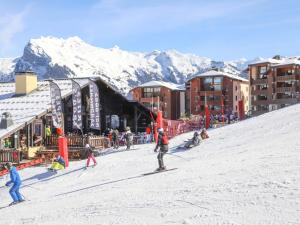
pixel 26 82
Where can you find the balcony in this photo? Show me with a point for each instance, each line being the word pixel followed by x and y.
pixel 259 92
pixel 284 89
pixel 261 102
pixel 207 93
pixel 259 81
pixel 286 101
pixel 285 78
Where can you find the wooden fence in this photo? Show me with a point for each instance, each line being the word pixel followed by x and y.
pixel 9 155
pixel 77 141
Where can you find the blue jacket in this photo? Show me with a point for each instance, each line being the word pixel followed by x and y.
pixel 14 177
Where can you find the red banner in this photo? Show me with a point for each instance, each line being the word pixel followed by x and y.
pixel 241 110
pixel 207 117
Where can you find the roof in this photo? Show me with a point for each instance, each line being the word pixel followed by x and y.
pixel 214 73
pixel 155 83
pixel 269 60
pixel 25 108
pixel 290 61
pixel 295 60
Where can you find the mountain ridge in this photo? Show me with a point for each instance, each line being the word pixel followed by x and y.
pixel 52 57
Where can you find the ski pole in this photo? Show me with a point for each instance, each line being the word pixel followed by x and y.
pixel 178 156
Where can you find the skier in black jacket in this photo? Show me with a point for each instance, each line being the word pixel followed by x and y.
pixel 162 144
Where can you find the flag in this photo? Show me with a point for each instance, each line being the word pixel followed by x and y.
pixel 94 106
pixel 77 109
pixel 56 105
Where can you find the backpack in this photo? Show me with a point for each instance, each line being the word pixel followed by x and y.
pixel 164 140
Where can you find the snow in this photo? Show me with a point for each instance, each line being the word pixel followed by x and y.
pixel 246 173
pixel 214 73
pixel 169 85
pixel 6 68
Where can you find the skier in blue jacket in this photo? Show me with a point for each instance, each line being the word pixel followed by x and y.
pixel 16 182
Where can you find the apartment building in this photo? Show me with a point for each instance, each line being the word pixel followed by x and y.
pixel 160 95
pixel 274 84
pixel 221 91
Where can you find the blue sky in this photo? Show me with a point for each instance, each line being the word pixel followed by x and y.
pixel 220 29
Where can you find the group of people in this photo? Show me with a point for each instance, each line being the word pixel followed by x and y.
pixel 114 137
pixel 162 146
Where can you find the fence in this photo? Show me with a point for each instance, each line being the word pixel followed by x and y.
pixel 175 127
pixel 9 155
pixel 77 141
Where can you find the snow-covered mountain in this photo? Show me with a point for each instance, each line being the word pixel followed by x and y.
pixel 52 57
pixel 7 66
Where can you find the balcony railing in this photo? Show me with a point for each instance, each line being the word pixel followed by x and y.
pixel 286 78
pixel 286 101
pixel 261 102
pixel 284 89
pixel 259 92
pixel 259 81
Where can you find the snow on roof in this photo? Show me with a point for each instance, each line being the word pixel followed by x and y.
pixel 155 83
pixel 25 108
pixel 269 60
pixel 214 73
pixel 289 61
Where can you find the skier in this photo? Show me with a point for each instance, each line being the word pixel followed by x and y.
pixel 162 144
pixel 90 155
pixel 16 181
pixel 58 163
pixel 195 141
pixel 115 138
pixel 204 134
pixel 128 138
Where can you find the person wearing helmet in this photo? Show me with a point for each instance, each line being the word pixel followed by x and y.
pixel 162 144
pixel 90 155
pixel 15 180
pixel 195 141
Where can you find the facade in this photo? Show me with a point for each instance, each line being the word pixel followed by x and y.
pixel 274 84
pixel 221 91
pixel 167 97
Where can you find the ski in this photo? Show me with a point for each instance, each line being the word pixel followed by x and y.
pixel 10 205
pixel 159 171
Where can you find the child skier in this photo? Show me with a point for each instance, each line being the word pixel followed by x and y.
pixel 58 163
pixel 162 144
pixel 90 155
pixel 15 180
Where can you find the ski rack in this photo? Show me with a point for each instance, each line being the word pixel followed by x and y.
pixel 23 166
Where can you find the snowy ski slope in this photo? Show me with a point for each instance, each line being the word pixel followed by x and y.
pixel 246 173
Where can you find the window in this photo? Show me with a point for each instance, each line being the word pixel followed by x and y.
pixel 151 92
pixel 236 108
pixel 212 83
pixel 236 98
pixel 236 88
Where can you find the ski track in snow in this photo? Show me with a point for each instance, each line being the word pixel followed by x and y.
pixel 245 174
